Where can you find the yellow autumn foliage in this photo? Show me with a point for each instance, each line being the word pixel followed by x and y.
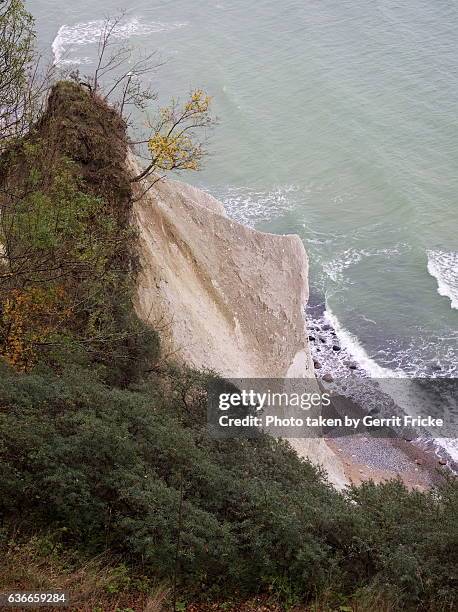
pixel 174 151
pixel 199 102
pixel 173 144
pixel 30 317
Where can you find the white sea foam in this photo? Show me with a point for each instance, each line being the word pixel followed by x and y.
pixel 251 206
pixel 336 266
pixel 450 445
pixel 443 265
pixel 354 349
pixel 89 32
pixel 423 356
pixel 349 257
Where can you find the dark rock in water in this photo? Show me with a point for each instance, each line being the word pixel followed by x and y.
pixel 317 364
pixel 353 366
pixel 318 350
pixel 323 340
pixel 326 327
pixel 334 334
pixel 336 347
pixel 327 377
pixel 436 367
pixel 442 462
pixel 312 338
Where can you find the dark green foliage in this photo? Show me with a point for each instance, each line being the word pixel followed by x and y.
pixel 410 540
pixel 106 466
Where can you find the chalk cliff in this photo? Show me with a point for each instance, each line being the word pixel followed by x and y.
pixel 225 297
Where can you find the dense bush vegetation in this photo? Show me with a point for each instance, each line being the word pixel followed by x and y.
pixel 108 469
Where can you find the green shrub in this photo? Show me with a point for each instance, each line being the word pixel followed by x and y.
pixel 109 468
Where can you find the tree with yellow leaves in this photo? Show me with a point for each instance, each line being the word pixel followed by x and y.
pixel 174 143
pixel 177 133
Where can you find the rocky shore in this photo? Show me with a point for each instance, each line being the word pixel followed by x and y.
pixel 419 464
pixel 380 459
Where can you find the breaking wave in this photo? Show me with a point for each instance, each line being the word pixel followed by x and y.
pixel 81 34
pixel 355 350
pixel 334 268
pixel 250 206
pixel 443 266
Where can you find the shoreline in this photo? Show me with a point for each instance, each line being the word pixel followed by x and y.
pixel 419 463
pixel 382 459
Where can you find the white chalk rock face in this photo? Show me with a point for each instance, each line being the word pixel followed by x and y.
pixel 224 296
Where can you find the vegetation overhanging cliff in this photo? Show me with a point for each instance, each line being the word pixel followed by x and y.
pixel 103 443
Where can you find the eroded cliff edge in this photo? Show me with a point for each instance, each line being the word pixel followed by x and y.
pixel 226 297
